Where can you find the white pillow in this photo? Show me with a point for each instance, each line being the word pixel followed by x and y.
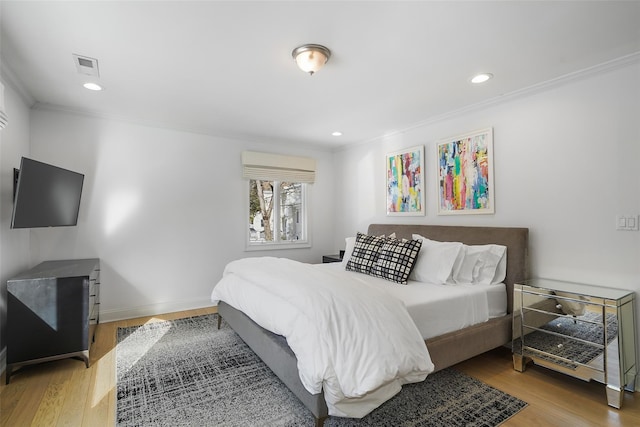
pixel 349 244
pixel 501 271
pixel 457 265
pixel 482 265
pixel 435 260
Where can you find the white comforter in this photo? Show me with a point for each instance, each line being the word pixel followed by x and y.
pixel 356 341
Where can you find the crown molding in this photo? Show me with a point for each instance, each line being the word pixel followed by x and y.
pixel 510 96
pixel 244 138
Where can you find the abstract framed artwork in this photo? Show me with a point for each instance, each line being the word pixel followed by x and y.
pixel 465 174
pixel 405 182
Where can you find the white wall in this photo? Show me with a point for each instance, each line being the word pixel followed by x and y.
pixel 164 210
pixel 14 244
pixel 566 162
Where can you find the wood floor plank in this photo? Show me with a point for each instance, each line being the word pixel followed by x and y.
pixel 55 394
pixel 72 412
pixel 9 398
pixel 34 380
pixel 65 393
pixel 554 399
pixel 98 410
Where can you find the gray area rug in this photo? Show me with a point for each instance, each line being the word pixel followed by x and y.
pixel 186 372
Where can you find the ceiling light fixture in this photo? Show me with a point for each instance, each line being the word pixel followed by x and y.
pixel 92 86
pixel 311 57
pixel 481 78
pixel 337 133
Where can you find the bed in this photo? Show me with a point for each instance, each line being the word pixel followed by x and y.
pixel 445 350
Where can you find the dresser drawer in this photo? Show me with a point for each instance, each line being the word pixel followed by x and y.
pixel 94 291
pixel 560 302
pixel 567 341
pixel 588 327
pixel 94 315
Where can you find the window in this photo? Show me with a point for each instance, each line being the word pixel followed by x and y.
pixel 277 214
pixel 277 199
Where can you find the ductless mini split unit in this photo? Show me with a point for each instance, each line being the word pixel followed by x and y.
pixel 4 120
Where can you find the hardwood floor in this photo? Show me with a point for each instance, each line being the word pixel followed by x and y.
pixel 65 393
pixel 554 399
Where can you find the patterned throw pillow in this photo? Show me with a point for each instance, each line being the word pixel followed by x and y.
pixel 396 260
pixel 365 253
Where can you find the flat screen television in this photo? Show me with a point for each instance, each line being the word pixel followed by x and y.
pixel 46 196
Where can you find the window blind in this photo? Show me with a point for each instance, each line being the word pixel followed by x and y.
pixel 277 167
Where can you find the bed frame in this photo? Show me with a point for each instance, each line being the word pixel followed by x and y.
pixel 445 350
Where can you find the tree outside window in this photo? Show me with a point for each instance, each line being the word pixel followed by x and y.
pixel 276 212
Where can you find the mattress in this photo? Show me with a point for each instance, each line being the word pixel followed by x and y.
pixel 438 309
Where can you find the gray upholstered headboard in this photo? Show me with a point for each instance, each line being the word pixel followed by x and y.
pixel 515 239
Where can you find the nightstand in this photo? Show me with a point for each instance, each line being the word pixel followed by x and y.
pixel 331 258
pixel 584 331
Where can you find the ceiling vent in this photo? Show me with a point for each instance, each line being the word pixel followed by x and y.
pixel 86 65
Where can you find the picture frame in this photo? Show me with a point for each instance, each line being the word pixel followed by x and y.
pixel 465 174
pixel 405 182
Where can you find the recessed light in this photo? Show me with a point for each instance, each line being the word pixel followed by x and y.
pixel 481 78
pixel 337 133
pixel 92 86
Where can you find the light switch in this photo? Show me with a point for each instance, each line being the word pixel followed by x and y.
pixel 627 222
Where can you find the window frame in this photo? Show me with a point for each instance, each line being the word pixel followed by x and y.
pixel 278 244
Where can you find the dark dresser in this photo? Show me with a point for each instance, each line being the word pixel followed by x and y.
pixel 52 312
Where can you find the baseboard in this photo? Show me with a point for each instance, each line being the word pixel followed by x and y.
pixel 3 360
pixel 153 309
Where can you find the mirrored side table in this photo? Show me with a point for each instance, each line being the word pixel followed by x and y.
pixel 584 331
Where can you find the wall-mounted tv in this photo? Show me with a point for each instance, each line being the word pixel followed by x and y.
pixel 46 196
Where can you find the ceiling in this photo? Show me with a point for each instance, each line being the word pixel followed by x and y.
pixel 225 68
